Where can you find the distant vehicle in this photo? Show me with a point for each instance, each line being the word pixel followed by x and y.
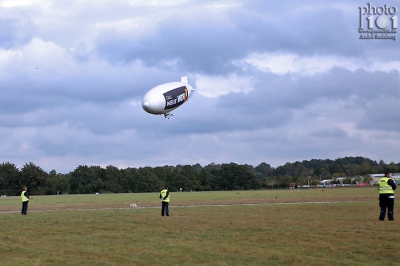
pixel 165 98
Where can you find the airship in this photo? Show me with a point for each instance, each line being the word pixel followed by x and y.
pixel 164 98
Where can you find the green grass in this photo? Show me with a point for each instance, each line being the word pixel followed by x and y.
pixel 343 232
pixel 190 198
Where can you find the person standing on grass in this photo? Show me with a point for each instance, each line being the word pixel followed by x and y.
pixel 25 200
pixel 386 197
pixel 164 196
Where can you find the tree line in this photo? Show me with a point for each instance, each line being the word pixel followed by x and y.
pixel 230 176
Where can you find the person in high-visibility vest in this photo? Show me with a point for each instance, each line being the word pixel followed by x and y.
pixel 25 200
pixel 164 196
pixel 386 197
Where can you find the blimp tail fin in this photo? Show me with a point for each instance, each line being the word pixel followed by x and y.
pixel 184 79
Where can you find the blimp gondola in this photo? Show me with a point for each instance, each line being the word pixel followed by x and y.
pixel 164 98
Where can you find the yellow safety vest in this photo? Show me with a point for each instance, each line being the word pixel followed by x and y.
pixel 23 197
pixel 384 187
pixel 163 194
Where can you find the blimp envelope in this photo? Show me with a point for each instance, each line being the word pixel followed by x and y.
pixel 166 97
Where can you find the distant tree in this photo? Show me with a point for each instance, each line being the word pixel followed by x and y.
pixel 212 166
pixel 10 183
pixel 85 180
pixel 336 168
pixel 96 179
pixel 170 177
pixel 129 177
pixel 264 183
pixel 233 177
pixel 230 176
pixel 161 173
pixel 285 181
pixel 204 179
pixel 321 169
pixel 189 172
pixel 63 183
pixel 287 169
pixel 34 178
pixel 56 182
pixel 181 181
pixel 197 167
pixel 114 181
pixel 263 170
pixel 365 169
pixel 217 181
pixel 392 167
pixel 352 169
pixel 339 175
pixel 146 181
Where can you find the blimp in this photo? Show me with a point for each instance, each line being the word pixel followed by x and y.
pixel 164 98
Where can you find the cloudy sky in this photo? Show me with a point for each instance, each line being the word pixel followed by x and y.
pixel 276 82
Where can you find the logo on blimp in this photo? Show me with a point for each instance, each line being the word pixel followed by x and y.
pixel 381 22
pixel 175 97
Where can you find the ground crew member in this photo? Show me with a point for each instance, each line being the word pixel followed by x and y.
pixel 164 196
pixel 386 197
pixel 25 200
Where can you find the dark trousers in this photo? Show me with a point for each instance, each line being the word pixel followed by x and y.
pixel 385 202
pixel 24 207
pixel 164 208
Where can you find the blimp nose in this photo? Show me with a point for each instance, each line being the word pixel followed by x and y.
pixel 153 104
pixel 146 106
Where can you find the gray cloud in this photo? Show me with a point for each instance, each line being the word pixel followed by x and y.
pixel 14 33
pixel 329 133
pixel 276 91
pixel 383 114
pixel 207 42
pixel 197 42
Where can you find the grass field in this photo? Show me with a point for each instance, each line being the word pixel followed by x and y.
pixel 319 227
